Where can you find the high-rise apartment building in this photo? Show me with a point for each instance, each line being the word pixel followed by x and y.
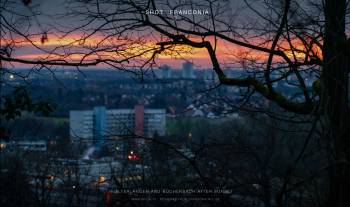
pixel 187 70
pixel 100 123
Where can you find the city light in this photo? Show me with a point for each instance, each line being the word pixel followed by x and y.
pixel 133 156
pixel 2 146
pixel 101 179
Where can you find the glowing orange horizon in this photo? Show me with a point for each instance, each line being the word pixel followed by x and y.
pixel 225 52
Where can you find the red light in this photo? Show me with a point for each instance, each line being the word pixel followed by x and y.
pixel 133 156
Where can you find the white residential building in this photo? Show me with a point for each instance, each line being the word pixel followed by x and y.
pixel 102 122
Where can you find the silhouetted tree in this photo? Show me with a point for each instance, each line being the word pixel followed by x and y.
pixel 294 39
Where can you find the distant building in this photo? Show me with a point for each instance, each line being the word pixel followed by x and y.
pixel 210 75
pixel 187 70
pixel 101 122
pixel 165 72
pixel 29 145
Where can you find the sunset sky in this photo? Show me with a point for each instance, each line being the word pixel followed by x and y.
pixel 227 53
pixel 37 49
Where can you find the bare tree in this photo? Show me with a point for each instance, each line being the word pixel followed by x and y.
pixel 293 39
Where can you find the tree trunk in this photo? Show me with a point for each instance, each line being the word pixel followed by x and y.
pixel 334 100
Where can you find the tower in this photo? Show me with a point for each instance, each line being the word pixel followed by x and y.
pixel 187 70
